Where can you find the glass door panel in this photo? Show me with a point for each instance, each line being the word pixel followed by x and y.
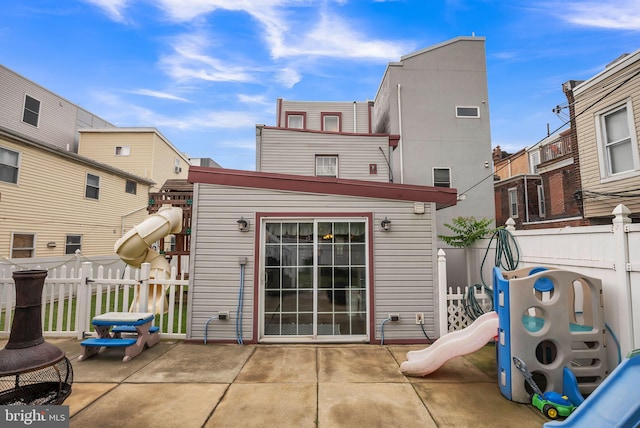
pixel 315 279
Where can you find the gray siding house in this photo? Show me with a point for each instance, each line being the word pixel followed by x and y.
pixel 294 258
pixel 436 99
pixel 38 113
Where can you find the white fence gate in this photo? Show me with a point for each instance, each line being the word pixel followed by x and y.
pixel 72 297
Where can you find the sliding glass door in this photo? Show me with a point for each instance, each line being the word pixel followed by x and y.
pixel 315 279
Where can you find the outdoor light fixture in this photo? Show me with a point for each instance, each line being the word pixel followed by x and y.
pixel 243 225
pixel 385 224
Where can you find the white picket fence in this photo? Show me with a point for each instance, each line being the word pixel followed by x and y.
pixel 72 297
pixel 458 317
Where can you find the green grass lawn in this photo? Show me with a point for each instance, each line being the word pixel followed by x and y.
pixel 69 317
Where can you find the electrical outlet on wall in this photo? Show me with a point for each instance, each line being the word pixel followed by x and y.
pixel 419 318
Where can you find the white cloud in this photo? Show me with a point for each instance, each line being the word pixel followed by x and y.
pixel 253 99
pixel 189 61
pixel 113 8
pixel 288 77
pixel 124 113
pixel 619 15
pixel 158 94
pixel 611 14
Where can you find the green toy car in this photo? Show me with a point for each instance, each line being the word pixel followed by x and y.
pixel 551 403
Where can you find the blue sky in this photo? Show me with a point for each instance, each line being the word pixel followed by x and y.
pixel 205 72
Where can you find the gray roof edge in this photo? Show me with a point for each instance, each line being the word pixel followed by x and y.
pixel 445 43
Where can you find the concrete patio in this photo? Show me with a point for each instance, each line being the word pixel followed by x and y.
pixel 177 384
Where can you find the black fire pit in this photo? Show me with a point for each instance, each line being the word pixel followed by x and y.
pixel 32 371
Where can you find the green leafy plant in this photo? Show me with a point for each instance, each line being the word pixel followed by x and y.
pixel 467 230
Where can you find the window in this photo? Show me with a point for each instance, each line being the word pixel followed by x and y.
pixel 31 111
pixel 92 190
pixel 513 203
pixel 542 209
pixel 331 122
pixel 22 245
pixel 9 165
pixel 296 120
pixel 73 243
pixel 535 161
pixel 131 187
pixel 617 145
pixel 467 111
pixel 442 177
pixel 123 150
pixel 327 166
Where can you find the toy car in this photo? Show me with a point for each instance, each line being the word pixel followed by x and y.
pixel 551 403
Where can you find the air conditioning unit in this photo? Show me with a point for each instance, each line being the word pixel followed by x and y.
pixel 177 169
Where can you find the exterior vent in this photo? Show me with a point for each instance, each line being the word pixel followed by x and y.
pixel 177 169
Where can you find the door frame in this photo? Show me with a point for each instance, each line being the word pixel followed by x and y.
pixel 259 272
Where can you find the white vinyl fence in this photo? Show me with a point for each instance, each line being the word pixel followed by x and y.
pixel 610 253
pixel 72 297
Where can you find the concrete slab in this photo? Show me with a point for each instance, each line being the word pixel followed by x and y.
pixel 83 394
pixel 371 405
pixel 364 363
pixel 107 366
pixel 152 405
pixel 280 364
pixel 195 363
pixel 475 405
pixel 267 405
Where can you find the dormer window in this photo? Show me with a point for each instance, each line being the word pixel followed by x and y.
pixel 331 122
pixel 296 120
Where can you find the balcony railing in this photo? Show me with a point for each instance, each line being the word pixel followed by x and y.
pixel 556 149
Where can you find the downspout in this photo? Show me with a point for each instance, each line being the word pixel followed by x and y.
pixel 400 133
pixel 355 119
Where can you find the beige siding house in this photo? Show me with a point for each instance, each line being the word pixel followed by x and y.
pixel 607 117
pixel 293 258
pixel 53 202
pixel 141 151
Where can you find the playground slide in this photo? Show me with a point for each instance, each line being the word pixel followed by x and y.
pixel 134 248
pixel 614 403
pixel 461 342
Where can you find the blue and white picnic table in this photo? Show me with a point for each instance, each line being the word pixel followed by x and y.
pixel 109 328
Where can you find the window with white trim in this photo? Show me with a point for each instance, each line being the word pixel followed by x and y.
pixel 331 122
pixel 22 245
pixel 73 243
pixel 295 120
pixel 92 189
pixel 9 165
pixel 442 177
pixel 617 146
pixel 31 112
pixel 131 187
pixel 123 150
pixel 326 166
pixel 467 111
pixel 542 208
pixel 513 202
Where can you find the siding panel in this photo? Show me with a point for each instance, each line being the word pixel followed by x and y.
pixel 403 258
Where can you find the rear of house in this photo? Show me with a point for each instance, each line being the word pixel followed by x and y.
pixel 314 262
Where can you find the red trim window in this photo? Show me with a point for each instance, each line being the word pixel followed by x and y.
pixel 296 119
pixel 331 122
pixel 327 166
